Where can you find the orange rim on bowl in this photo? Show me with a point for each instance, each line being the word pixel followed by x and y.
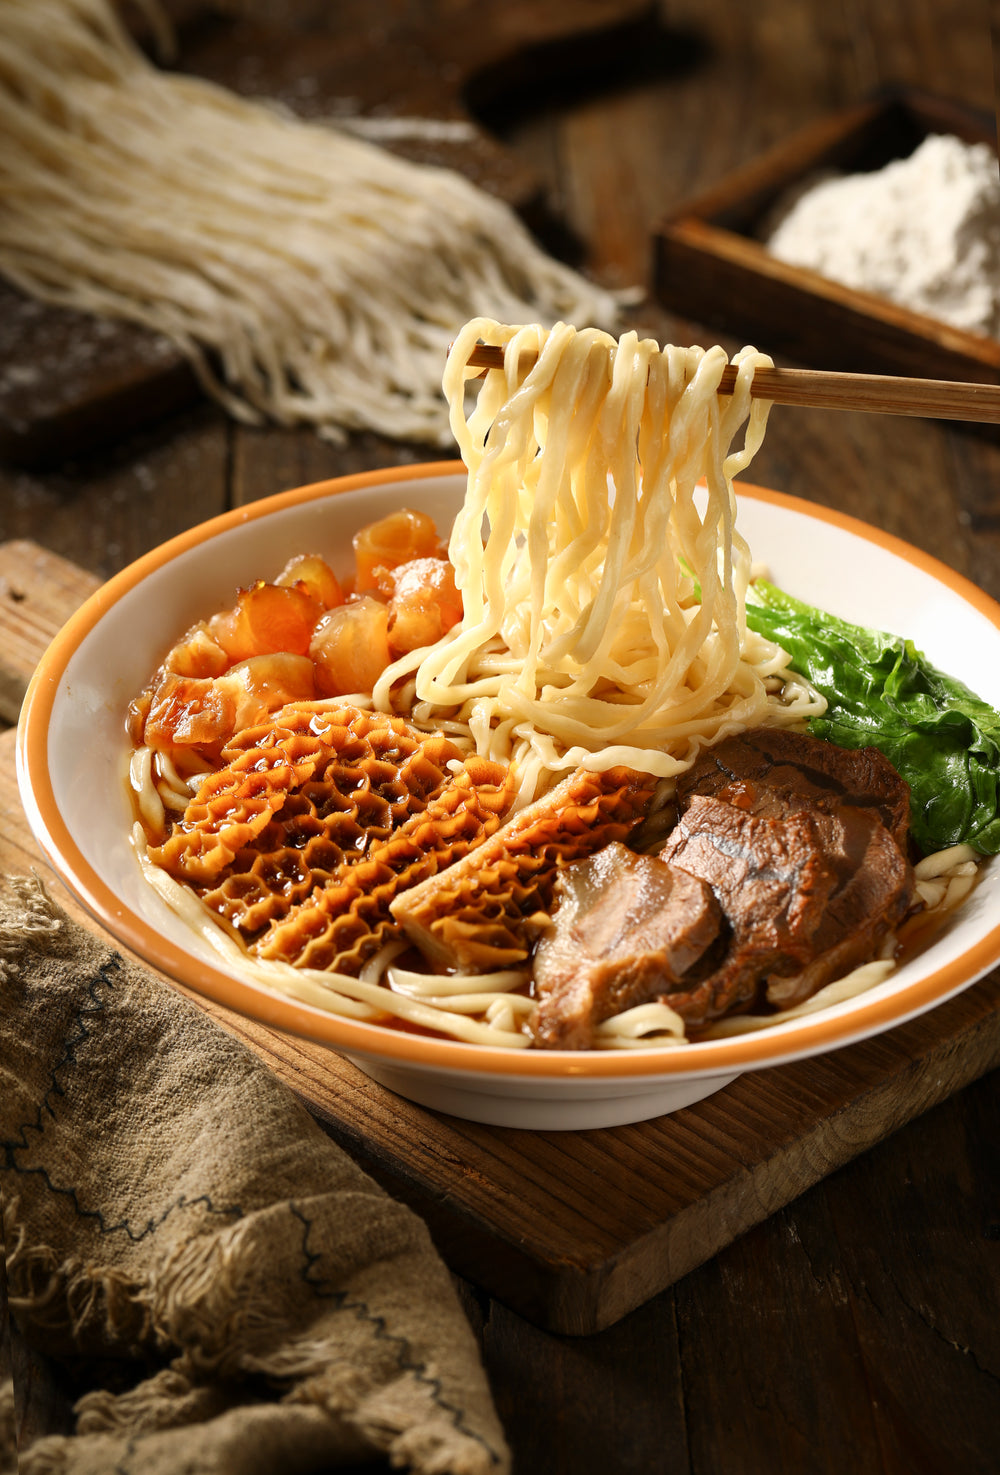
pixel 810 1035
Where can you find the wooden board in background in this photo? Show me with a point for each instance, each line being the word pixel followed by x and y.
pixel 575 1229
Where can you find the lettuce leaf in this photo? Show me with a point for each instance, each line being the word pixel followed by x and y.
pixel 884 693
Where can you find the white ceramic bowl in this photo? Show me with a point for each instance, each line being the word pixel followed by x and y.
pixel 72 753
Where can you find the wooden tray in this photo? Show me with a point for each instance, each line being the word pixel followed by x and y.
pixel 710 265
pixel 571 1229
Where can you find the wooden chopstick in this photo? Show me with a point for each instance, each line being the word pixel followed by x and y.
pixel 886 394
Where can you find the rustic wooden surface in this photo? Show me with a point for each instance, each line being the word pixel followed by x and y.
pixel 857 1328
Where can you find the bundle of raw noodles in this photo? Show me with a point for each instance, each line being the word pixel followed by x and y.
pixel 309 276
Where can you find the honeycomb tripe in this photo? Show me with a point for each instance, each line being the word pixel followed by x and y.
pixel 300 795
pixel 347 920
pixel 487 909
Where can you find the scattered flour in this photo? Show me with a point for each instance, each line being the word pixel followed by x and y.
pixel 923 231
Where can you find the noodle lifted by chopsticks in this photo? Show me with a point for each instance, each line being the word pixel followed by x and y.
pixel 601 630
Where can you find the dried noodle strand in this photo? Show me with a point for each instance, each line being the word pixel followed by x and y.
pixel 309 276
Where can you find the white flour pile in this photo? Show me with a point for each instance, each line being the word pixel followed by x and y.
pixel 923 231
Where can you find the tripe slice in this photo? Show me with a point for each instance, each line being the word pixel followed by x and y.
pixel 487 910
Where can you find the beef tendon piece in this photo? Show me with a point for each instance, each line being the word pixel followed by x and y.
pixel 348 919
pixel 298 796
pixel 766 761
pixel 808 894
pixel 488 909
pixel 627 928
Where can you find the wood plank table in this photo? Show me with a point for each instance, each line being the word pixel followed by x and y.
pixel 802 1272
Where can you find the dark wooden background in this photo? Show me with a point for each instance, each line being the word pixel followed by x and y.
pixel 859 1328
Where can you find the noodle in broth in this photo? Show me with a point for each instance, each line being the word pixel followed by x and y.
pixel 603 585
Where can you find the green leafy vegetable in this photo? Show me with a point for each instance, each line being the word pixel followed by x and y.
pixel 884 693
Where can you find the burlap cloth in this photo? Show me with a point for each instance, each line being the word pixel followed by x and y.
pixel 181 1233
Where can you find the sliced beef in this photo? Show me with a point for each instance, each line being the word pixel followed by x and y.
pixel 764 761
pixel 627 927
pixel 809 892
pixel 785 870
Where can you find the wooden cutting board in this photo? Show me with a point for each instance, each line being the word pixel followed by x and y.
pixel 571 1229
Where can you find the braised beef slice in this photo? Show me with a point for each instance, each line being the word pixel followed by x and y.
pixel 627 928
pixel 795 765
pixel 809 893
pixel 802 847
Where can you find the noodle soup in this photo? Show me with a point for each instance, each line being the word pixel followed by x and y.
pixel 378 801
